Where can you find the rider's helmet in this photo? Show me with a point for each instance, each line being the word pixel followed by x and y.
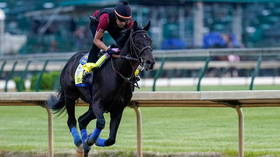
pixel 123 11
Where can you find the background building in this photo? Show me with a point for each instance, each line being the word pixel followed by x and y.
pixel 62 25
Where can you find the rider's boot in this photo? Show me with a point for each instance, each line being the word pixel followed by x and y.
pixel 89 67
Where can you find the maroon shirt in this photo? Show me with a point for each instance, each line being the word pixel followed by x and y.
pixel 104 21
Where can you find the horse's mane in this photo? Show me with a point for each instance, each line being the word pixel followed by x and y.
pixel 123 38
pixel 125 35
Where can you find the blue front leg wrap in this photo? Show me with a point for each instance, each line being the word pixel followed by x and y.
pixel 95 134
pixel 84 137
pixel 100 142
pixel 76 136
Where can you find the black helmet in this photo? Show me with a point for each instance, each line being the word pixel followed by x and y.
pixel 123 11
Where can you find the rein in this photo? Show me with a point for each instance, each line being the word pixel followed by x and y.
pixel 125 57
pixel 134 51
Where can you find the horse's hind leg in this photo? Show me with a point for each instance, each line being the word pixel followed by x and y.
pixel 72 122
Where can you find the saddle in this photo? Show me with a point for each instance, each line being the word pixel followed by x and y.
pixel 80 70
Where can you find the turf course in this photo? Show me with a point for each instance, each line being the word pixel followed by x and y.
pixel 165 130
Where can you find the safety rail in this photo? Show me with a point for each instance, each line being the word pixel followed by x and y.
pixel 162 53
pixel 166 60
pixel 234 99
pixel 169 65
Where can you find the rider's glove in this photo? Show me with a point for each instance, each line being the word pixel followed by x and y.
pixel 112 51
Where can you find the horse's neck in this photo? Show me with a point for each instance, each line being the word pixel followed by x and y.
pixel 122 65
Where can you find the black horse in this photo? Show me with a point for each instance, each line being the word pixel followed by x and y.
pixel 111 90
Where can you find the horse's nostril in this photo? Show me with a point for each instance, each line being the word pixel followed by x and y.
pixel 149 64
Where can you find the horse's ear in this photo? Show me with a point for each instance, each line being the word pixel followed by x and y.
pixel 135 25
pixel 147 27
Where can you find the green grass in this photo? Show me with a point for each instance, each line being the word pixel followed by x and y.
pixel 166 130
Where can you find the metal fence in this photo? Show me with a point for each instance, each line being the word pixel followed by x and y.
pixel 199 60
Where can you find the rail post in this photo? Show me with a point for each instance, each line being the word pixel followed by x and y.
pixel 50 133
pixel 241 131
pixel 38 83
pixel 10 75
pixel 256 72
pixel 22 79
pixel 202 73
pixel 158 73
pixel 2 67
pixel 137 110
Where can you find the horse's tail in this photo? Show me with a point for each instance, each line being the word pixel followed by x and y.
pixel 57 103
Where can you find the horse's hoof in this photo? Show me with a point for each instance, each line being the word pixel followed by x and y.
pixel 89 141
pixel 86 148
pixel 85 154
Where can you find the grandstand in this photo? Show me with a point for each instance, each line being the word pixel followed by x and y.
pixel 181 24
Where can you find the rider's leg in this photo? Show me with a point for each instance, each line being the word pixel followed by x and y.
pixel 89 66
pixel 93 53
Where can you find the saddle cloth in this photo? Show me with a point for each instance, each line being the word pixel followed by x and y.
pixel 79 72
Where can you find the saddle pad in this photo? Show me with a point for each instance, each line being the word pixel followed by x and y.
pixel 79 72
pixel 84 59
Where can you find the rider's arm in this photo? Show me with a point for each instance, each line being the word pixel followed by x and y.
pixel 103 24
pixel 98 42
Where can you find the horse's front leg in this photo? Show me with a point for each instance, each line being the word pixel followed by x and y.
pixel 83 122
pixel 100 124
pixel 114 125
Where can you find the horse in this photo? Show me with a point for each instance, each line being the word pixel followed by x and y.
pixel 110 89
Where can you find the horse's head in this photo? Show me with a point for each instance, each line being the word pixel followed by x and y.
pixel 141 45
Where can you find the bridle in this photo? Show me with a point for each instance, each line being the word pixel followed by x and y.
pixel 134 58
pixel 133 47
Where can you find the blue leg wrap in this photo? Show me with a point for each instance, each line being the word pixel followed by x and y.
pixel 76 137
pixel 100 142
pixel 95 134
pixel 84 137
